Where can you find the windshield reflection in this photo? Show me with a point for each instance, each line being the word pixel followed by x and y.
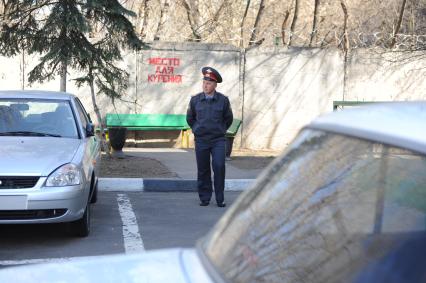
pixel 332 207
pixel 35 117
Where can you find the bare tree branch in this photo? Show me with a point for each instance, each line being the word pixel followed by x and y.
pixel 196 35
pixel 255 31
pixel 242 24
pixel 219 11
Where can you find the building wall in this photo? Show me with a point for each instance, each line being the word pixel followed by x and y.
pixel 284 90
pixel 378 76
pixel 275 91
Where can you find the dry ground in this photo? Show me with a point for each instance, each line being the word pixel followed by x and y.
pixel 142 167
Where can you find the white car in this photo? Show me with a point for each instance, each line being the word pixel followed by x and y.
pixel 346 202
pixel 49 159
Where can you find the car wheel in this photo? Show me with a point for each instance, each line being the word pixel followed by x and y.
pixel 81 227
pixel 94 198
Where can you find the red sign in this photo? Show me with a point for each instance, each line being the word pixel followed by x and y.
pixel 164 70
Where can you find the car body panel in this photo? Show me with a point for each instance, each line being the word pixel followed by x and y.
pixel 397 123
pixel 344 202
pixel 40 156
pixel 23 154
pixel 162 266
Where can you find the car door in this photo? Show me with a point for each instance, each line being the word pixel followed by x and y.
pixel 91 151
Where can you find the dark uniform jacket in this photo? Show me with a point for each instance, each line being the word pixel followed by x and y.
pixel 209 118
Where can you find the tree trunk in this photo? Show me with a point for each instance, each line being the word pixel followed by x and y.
pixel 314 22
pixel 345 46
pixel 144 7
pixel 194 28
pixel 23 70
pixel 284 26
pixel 104 145
pixel 164 11
pixel 398 24
pixel 63 82
pixel 293 22
pixel 242 24
pixel 255 31
pixel 345 26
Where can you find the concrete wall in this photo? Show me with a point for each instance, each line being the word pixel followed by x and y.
pixel 164 79
pixel 378 76
pixel 284 90
pixel 275 91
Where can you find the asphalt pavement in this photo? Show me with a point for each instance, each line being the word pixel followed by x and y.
pixel 182 163
pixel 122 222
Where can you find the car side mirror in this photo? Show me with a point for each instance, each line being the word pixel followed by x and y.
pixel 90 130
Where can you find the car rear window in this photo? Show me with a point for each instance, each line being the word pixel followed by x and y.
pixel 327 211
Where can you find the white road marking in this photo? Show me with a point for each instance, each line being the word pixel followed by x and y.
pixel 132 239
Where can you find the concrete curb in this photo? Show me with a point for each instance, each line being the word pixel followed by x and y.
pixel 164 185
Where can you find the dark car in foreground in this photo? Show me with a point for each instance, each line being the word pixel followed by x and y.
pixel 49 159
pixel 346 202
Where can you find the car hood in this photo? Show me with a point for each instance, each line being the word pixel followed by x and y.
pixel 37 156
pixel 161 266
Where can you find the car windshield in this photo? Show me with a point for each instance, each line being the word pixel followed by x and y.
pixel 37 117
pixel 332 209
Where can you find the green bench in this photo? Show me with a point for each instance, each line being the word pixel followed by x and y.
pixel 159 122
pixel 150 122
pixel 233 129
pixel 230 134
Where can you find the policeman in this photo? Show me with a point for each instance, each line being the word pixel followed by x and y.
pixel 209 115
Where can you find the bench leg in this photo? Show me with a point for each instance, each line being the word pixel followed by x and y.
pixel 228 146
pixel 185 138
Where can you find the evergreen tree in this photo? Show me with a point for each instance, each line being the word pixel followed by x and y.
pixel 85 35
pixel 59 30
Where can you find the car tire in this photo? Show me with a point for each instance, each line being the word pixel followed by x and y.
pixel 94 197
pixel 81 227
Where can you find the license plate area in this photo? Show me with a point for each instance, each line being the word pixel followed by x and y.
pixel 13 202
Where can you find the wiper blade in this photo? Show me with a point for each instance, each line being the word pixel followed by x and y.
pixel 28 133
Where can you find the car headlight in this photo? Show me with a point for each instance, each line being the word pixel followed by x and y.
pixel 66 175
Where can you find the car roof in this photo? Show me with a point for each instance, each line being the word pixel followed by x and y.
pixel 401 124
pixel 35 94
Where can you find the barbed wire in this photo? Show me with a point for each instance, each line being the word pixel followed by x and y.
pixel 322 38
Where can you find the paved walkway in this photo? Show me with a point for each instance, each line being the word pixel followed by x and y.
pixel 182 163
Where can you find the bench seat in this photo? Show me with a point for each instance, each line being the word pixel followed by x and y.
pixel 159 122
pixel 150 122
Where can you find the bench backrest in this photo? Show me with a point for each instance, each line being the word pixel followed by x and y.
pixel 146 120
pixel 158 121
pixel 340 104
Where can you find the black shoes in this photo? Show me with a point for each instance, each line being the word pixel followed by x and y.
pixel 206 203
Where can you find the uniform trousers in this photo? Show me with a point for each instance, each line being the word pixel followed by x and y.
pixel 203 151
